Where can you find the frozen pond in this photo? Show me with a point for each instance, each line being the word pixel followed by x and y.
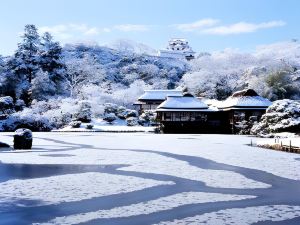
pixel 140 178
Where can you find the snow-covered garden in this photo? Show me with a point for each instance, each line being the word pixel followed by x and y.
pixel 46 86
pixel 146 178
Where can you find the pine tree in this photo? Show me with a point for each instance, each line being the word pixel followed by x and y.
pixel 24 64
pixel 27 52
pixel 51 61
pixel 8 80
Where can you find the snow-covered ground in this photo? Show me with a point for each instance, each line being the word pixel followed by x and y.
pixel 146 178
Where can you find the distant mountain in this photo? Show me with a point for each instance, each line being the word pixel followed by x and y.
pixel 125 45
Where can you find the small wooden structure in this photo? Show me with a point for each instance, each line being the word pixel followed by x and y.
pixel 153 98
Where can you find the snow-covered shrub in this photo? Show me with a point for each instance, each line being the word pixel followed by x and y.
pixel 59 118
pixel 132 121
pixel 89 126
pixel 281 116
pixel 147 117
pixel 27 119
pixel 245 126
pixel 75 124
pixel 84 113
pixel 110 108
pixel 110 117
pixel 130 113
pixel 58 111
pixel 121 112
pixel 6 105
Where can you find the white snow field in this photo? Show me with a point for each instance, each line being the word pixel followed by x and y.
pixel 146 178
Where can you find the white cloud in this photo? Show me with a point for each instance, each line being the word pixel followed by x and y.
pixel 208 22
pixel 67 31
pixel 242 27
pixel 131 27
pixel 73 30
pixel 208 26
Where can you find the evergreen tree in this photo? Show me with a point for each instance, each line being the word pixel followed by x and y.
pixel 27 53
pixel 8 80
pixel 24 64
pixel 51 61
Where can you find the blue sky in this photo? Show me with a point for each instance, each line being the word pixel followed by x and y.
pixel 208 25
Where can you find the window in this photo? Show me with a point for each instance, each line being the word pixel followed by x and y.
pixel 167 116
pixel 177 116
pixel 200 117
pixel 185 116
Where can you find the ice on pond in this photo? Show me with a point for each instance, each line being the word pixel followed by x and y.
pixel 71 187
pixel 161 204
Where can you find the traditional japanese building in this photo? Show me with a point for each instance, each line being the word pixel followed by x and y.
pixel 242 106
pixel 189 114
pixel 178 48
pixel 152 98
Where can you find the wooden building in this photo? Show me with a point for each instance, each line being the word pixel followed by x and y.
pixel 153 98
pixel 187 114
pixel 243 106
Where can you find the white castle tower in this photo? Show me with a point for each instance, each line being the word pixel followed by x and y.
pixel 178 48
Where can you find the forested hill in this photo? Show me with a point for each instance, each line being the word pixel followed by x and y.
pixel 125 67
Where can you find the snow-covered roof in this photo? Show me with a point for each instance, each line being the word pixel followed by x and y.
pixel 247 98
pixel 159 94
pixel 182 103
pixel 251 102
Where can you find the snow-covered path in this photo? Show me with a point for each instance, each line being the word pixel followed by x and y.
pixel 112 178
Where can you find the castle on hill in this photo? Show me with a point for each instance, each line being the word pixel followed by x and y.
pixel 178 48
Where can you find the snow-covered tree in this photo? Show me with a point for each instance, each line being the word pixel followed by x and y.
pixel 52 63
pixel 83 71
pixel 218 74
pixel 42 86
pixel 25 62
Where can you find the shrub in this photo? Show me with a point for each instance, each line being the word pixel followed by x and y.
pixel 84 113
pixel 89 126
pixel 26 119
pixel 147 117
pixel 110 117
pixel 132 121
pixel 75 124
pixel 6 105
pixel 110 108
pixel 281 116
